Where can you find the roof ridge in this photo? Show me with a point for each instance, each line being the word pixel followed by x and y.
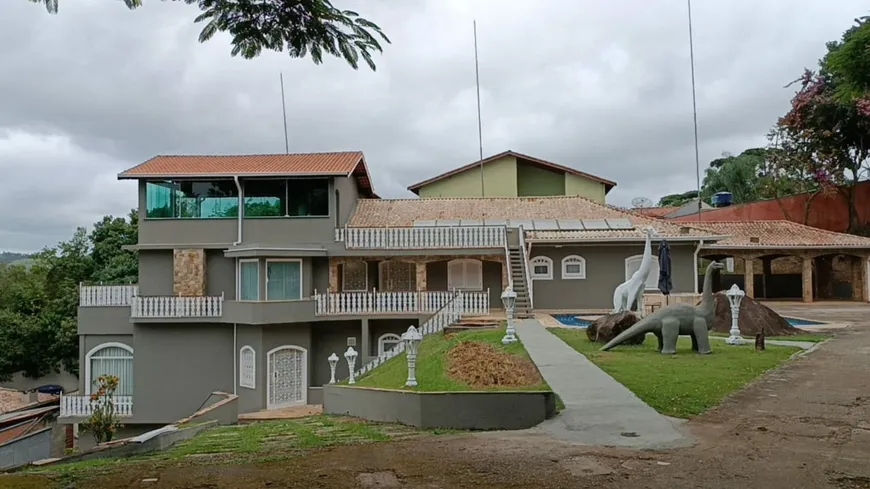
pixel 188 155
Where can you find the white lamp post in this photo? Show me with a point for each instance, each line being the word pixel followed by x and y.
pixel 350 356
pixel 333 362
pixel 412 339
pixel 735 296
pixel 509 300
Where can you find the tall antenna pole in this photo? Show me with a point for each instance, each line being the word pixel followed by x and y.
pixel 694 110
pixel 284 111
pixel 479 124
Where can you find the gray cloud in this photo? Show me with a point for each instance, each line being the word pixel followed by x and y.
pixel 600 86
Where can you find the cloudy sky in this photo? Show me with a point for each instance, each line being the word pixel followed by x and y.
pixel 599 85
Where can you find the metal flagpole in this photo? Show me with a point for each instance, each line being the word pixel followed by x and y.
pixel 694 110
pixel 479 124
pixel 284 112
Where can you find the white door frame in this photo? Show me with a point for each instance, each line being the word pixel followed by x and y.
pixel 270 377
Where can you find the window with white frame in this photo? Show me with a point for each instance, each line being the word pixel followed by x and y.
pixel 465 274
pixel 355 276
pixel 387 342
pixel 249 280
pixel 247 367
pixel 110 359
pixel 632 264
pixel 573 267
pixel 541 268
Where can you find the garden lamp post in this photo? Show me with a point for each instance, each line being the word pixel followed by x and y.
pixel 509 300
pixel 735 296
pixel 350 356
pixel 412 339
pixel 333 362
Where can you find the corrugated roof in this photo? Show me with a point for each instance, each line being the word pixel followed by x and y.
pixel 403 212
pixel 779 234
pixel 531 159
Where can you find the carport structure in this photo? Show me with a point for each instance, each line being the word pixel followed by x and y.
pixel 787 260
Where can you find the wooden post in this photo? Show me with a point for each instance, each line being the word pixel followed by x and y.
pixel 759 341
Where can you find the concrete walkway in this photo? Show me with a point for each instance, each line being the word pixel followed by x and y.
pixel 598 409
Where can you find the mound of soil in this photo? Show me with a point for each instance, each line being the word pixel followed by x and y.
pixel 610 326
pixel 754 318
pixel 482 365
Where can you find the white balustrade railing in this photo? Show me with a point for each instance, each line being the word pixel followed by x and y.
pixel 107 295
pixel 422 238
pixel 375 302
pixel 82 406
pixel 447 315
pixel 529 282
pixel 159 307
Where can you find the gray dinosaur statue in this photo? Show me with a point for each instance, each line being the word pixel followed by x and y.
pixel 668 323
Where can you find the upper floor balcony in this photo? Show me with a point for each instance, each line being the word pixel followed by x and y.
pixel 422 237
pixel 328 304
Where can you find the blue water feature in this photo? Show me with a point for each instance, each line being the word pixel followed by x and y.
pixel 571 320
pixel 801 322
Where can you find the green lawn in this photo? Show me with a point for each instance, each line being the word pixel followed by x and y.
pixel 432 364
pixel 684 384
pixel 256 442
pixel 809 337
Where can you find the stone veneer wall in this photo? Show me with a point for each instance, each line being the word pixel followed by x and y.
pixel 420 261
pixel 188 272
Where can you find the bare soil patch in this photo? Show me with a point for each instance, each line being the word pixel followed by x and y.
pixel 481 365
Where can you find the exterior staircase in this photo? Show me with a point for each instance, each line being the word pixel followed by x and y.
pixel 517 261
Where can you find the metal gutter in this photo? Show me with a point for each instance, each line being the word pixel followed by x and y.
pixel 241 211
pixel 697 251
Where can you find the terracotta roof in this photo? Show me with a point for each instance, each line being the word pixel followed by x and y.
pixel 11 400
pixel 659 212
pixel 608 184
pixel 779 234
pixel 276 164
pixel 403 212
pixel 345 163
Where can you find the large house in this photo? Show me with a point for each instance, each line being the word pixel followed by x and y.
pixel 512 174
pixel 254 269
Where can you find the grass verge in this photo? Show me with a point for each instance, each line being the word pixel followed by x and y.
pixel 809 337
pixel 250 443
pixel 680 385
pixel 432 365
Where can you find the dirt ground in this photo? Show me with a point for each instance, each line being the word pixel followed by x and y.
pixel 806 425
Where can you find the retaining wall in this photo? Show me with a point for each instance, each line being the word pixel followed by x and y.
pixel 505 410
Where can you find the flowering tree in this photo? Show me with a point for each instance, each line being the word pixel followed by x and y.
pixel 103 422
pixel 826 132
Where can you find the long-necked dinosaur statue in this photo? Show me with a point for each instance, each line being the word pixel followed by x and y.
pixel 669 322
pixel 632 289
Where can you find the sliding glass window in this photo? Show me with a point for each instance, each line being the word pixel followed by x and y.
pixel 187 199
pixel 287 198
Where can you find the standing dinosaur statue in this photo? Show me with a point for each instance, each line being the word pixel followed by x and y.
pixel 632 289
pixel 669 322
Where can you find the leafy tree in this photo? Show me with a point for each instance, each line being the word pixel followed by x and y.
pixel 39 304
pixel 826 132
pixel 300 27
pixel 676 200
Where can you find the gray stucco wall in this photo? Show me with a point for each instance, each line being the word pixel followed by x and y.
pixel 220 274
pixel 250 400
pixel 19 382
pixel 457 410
pixel 155 272
pixel 605 270
pixel 104 320
pixel 176 367
pixel 378 327
pixel 329 337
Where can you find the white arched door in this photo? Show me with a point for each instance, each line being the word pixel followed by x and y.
pixel 288 377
